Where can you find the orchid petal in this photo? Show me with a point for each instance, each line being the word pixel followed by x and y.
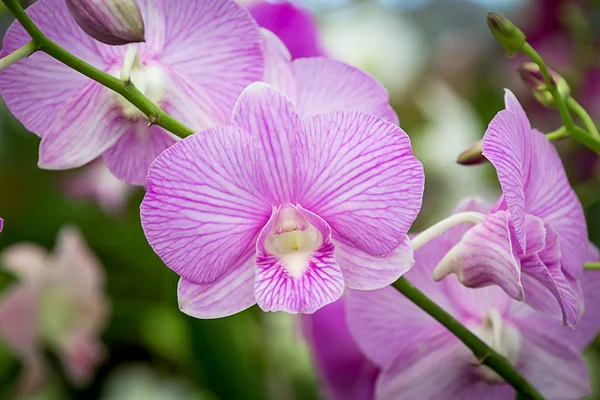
pixel 131 156
pixel 485 256
pixel 366 272
pixel 233 293
pixel 18 319
pixel 278 65
pixel 541 353
pixel 506 144
pixel 319 283
pixel 36 88
pixel 387 326
pixel 202 211
pixel 81 356
pixel 358 172
pixel 273 121
pixel 27 261
pixel 85 128
pixel 216 44
pixel 326 85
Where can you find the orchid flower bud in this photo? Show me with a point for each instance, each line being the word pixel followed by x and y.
pixel 506 33
pixel 473 155
pixel 534 80
pixel 113 22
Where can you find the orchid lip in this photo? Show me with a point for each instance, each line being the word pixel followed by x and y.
pixel 293 240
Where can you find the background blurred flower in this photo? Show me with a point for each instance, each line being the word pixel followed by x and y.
pixel 421 360
pixel 57 304
pixel 345 371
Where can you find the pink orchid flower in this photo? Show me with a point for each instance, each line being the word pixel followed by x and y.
pixel 58 304
pixel 197 58
pixel 532 242
pixel 281 210
pixel 421 360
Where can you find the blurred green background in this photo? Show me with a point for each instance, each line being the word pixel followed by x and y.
pixel 446 77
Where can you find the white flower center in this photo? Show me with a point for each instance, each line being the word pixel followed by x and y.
pixel 148 79
pixel 292 240
pixel 503 338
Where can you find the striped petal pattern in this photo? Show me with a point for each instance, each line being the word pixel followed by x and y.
pixel 277 288
pixel 365 181
pixel 202 212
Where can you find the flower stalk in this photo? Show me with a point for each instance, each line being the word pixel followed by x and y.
pixel 578 109
pixel 155 115
pixel 482 351
pixel 18 55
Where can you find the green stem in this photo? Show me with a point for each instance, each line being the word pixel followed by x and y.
pixel 585 117
pixel 592 266
pixel 560 133
pixel 155 115
pixel 576 132
pixel 482 351
pixel 18 55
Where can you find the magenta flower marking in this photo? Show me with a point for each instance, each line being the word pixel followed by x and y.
pixel 345 371
pixel 283 211
pixel 533 242
pixel 296 26
pixel 408 345
pixel 198 57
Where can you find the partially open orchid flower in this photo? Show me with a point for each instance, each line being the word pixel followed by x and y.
pixel 421 360
pixel 114 22
pixel 295 25
pixel 283 211
pixel 346 373
pixel 57 304
pixel 197 58
pixel 533 241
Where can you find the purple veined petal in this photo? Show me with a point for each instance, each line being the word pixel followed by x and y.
pixel 278 65
pixel 387 326
pixel 358 173
pixel 87 125
pixel 300 282
pixel 273 121
pixel 326 85
pixel 36 88
pixel 508 147
pixel 296 26
pixel 215 43
pixel 363 271
pixel 550 197
pixel 1 224
pixel 232 293
pixel 485 256
pixel 543 277
pixel 202 211
pixel 551 364
pixel 346 373
pixel 131 156
pixel 476 303
pixel 189 103
pixel 440 374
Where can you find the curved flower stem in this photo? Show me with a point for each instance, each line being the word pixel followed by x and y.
pixel 560 133
pixel 575 131
pixel 442 226
pixel 592 266
pixel 155 115
pixel 18 55
pixel 482 351
pixel 585 117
